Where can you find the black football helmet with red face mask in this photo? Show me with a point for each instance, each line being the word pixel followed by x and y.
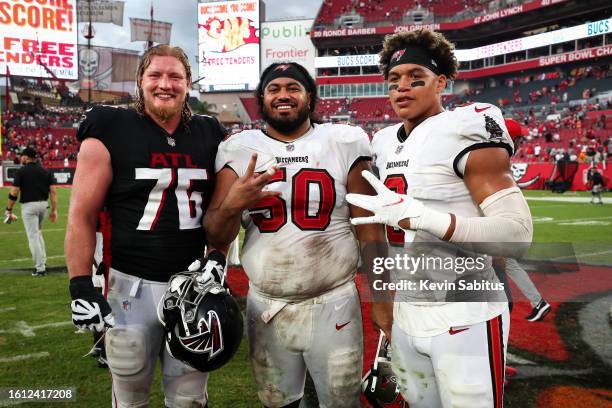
pixel 379 386
pixel 203 322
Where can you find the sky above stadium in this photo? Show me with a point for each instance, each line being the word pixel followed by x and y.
pixel 182 15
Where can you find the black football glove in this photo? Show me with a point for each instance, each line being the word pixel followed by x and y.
pixel 89 308
pixel 210 268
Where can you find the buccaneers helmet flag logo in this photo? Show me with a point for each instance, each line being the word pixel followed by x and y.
pixel 518 172
pixel 397 55
pixel 209 338
pixel 282 67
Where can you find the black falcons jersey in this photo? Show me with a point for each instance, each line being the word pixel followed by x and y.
pixel 160 190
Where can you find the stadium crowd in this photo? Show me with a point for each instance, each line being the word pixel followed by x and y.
pixel 52 133
pixel 559 111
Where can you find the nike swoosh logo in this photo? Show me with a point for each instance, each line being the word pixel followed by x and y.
pixel 341 326
pixel 401 200
pixel 341 305
pixel 453 332
pixel 481 109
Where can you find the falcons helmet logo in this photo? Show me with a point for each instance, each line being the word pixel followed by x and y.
pixel 209 338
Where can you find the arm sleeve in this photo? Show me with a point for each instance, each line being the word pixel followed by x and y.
pixel 506 228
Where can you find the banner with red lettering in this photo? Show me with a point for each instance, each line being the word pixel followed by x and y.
pixel 228 42
pixel 39 38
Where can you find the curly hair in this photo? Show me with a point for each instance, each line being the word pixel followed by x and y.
pixel 438 46
pixel 161 50
pixel 310 85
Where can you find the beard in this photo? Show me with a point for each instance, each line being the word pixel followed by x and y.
pixel 164 114
pixel 286 124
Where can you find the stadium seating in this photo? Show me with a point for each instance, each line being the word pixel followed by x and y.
pixel 376 11
pixel 51 134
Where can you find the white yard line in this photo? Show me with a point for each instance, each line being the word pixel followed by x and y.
pixel 549 219
pixel 585 255
pixel 29 259
pixel 23 231
pixel 606 200
pixel 551 206
pixel 7 309
pixel 28 331
pixel 21 357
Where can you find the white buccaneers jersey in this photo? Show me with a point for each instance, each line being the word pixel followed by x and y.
pixel 300 244
pixel 428 165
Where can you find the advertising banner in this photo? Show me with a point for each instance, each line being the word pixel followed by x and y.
pixel 61 175
pixel 39 38
pixel 228 42
pixel 102 11
pixel 287 41
pixel 144 30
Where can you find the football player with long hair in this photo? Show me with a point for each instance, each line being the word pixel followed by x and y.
pixel 152 167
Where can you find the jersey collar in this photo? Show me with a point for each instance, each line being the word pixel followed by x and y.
pixel 401 132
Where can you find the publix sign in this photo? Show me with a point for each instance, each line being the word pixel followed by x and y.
pixel 287 41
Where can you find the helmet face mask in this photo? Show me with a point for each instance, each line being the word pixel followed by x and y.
pixel 379 386
pixel 203 324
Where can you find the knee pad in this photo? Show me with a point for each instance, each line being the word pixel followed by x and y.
pixel 344 378
pixel 184 387
pixel 294 404
pixel 119 404
pixel 263 369
pixel 470 395
pixel 126 350
pixel 183 401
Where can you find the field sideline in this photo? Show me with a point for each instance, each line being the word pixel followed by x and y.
pixel 39 347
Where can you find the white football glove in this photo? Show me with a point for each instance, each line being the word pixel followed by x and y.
pixel 209 268
pixel 388 206
pixel 90 310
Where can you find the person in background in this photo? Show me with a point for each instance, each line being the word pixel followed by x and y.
pixel 33 185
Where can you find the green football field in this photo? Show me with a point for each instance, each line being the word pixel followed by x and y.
pixel 40 349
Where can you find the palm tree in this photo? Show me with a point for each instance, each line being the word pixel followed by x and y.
pixel 202 107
